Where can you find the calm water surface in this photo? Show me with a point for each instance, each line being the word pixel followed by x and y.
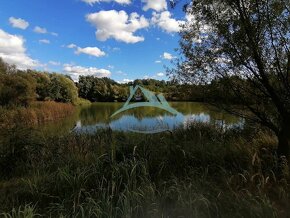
pixel 98 115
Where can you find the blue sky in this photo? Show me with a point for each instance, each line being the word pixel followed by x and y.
pixel 121 39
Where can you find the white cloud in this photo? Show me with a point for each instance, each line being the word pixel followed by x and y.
pixel 223 60
pixel 71 46
pixel 123 2
pixel 147 77
pixel 202 31
pixel 121 72
pixel 160 74
pixel 157 5
pixel 76 71
pixel 196 40
pixel 13 51
pixel 44 41
pixel 167 56
pixel 41 30
pixel 158 62
pixel 126 81
pixel 116 49
pixel 54 63
pixel 203 28
pixel 165 22
pixel 93 51
pixel 118 25
pixel 18 23
pixel 54 34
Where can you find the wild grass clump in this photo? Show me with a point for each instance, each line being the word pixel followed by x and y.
pixel 201 171
pixel 26 211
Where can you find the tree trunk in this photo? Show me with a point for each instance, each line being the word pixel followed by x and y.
pixel 284 142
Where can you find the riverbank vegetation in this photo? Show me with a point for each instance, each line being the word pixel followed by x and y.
pixel 34 97
pixel 201 171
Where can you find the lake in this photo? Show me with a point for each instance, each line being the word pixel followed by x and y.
pixel 143 119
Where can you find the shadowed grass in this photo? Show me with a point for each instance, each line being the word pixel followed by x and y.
pixel 198 172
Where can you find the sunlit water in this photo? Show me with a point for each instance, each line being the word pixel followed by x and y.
pixel 144 119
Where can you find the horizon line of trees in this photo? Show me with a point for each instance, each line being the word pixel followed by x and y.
pixel 20 88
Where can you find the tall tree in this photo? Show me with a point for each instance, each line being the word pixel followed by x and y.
pixel 62 89
pixel 247 40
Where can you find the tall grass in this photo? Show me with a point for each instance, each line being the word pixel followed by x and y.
pixel 26 211
pixel 36 113
pixel 198 172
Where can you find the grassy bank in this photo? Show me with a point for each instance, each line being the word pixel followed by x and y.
pixel 36 113
pixel 199 172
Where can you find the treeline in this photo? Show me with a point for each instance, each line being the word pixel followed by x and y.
pixel 20 88
pixel 101 89
pixel 105 89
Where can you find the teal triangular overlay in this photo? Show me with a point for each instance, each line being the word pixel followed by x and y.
pixel 153 101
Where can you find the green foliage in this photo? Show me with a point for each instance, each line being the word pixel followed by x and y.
pixel 20 88
pixel 6 68
pixel 100 89
pixel 104 89
pixel 62 89
pixel 27 211
pixel 43 83
pixel 16 88
pixel 82 102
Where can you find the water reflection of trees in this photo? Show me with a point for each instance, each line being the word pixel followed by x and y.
pixel 98 112
pixel 101 112
pixel 199 108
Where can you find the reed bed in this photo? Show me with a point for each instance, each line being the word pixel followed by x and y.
pixel 36 113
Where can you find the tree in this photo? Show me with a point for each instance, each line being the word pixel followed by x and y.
pixel 247 40
pixel 16 87
pixel 6 68
pixel 43 84
pixel 62 89
pixel 100 89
